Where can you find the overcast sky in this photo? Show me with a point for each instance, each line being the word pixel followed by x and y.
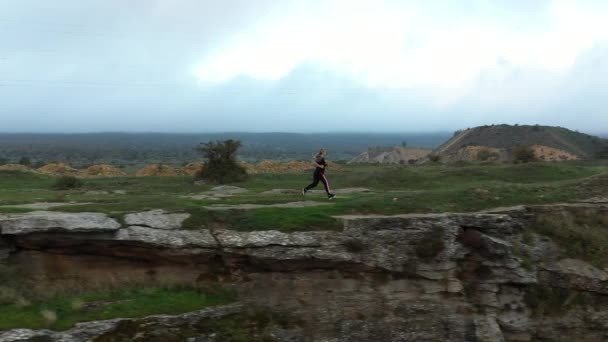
pixel 301 66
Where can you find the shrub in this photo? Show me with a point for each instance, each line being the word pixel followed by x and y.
pixel 221 166
pixel 484 155
pixel 67 182
pixel 523 154
pixel 25 161
pixel 603 153
pixel 435 158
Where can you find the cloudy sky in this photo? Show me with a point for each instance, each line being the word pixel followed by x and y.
pixel 301 66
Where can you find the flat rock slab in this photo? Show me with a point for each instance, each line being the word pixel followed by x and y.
pixel 595 200
pixel 218 193
pixel 280 191
pixel 157 218
pixel 201 197
pixel 228 189
pixel 302 204
pixel 103 192
pixel 343 191
pixel 51 221
pixel 43 205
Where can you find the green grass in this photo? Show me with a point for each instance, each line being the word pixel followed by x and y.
pixel 397 190
pixel 582 234
pixel 254 325
pixel 123 303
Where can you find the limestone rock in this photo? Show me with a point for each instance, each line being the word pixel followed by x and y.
pixel 576 274
pixel 175 239
pixel 157 219
pixel 49 221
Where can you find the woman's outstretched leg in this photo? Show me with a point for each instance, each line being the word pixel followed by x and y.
pixel 326 185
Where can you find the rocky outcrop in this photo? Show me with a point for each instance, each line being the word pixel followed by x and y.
pixel 491 276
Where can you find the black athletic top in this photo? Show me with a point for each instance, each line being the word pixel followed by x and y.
pixel 321 161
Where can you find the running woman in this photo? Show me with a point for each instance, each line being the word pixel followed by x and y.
pixel 319 174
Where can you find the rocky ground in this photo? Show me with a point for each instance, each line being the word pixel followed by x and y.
pixel 487 276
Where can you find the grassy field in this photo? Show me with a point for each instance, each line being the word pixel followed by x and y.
pixel 63 312
pixel 396 190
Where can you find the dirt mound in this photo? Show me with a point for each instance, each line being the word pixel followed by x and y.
pixel 250 168
pixel 294 166
pixel 58 169
pixel 101 170
pixel 391 155
pixel 476 153
pixel 264 166
pixel 14 167
pixel 192 168
pixel 158 170
pixel 552 154
pixel 506 137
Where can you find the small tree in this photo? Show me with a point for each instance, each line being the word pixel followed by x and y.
pixel 435 158
pixel 67 182
pixel 221 165
pixel 523 154
pixel 603 153
pixel 486 154
pixel 25 161
pixel 404 143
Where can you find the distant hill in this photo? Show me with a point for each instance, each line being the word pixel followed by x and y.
pixel 83 149
pixel 498 141
pixel 391 155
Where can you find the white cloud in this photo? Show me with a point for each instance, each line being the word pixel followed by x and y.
pixel 406 44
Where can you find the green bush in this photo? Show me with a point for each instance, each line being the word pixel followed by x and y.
pixel 67 182
pixel 435 158
pixel 484 155
pixel 523 154
pixel 603 153
pixel 221 165
pixel 25 161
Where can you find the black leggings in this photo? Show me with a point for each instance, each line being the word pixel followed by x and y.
pixel 319 176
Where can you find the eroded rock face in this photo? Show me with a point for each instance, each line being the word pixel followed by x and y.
pixel 436 277
pixel 6 247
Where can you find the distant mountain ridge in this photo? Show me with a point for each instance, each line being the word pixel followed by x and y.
pixel 551 143
pixel 83 149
